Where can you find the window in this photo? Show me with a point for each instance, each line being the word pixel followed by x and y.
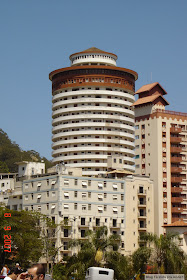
pixel 89 207
pixel 75 194
pixel 83 207
pixel 122 196
pixel 100 197
pixel 115 197
pixel 100 185
pixel 75 206
pixel 84 196
pixel 53 194
pixel 89 194
pixel 136 126
pixel 136 136
pixel 66 195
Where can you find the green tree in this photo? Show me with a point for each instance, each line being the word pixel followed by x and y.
pixel 166 253
pixel 120 264
pixel 140 259
pixel 3 167
pixel 92 251
pixel 10 153
pixel 28 241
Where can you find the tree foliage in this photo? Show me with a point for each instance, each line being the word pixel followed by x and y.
pixel 10 153
pixel 166 254
pixel 27 243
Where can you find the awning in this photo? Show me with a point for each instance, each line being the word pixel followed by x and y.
pixel 100 208
pixel 115 196
pixel 100 196
pixel 84 184
pixel 39 207
pixel 66 194
pixel 39 196
pixel 100 185
pixel 26 198
pixel 115 187
pixel 26 186
pixel 39 184
pixel 53 182
pixel 66 181
pixel 53 206
pixel 66 206
pixel 115 209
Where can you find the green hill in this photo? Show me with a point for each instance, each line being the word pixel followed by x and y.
pixel 10 153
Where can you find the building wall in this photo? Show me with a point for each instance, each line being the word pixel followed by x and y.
pixel 92 113
pixel 88 203
pixel 154 158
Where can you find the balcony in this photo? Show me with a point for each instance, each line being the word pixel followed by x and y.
pixel 176 210
pixel 141 203
pixel 175 139
pixel 176 190
pixel 176 169
pixel 84 225
pixel 69 237
pixel 176 199
pixel 142 216
pixel 176 159
pixel 141 192
pixel 97 225
pixel 142 227
pixel 175 130
pixel 176 179
pixel 115 226
pixel 176 149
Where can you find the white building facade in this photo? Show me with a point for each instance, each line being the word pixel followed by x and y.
pixel 125 206
pixel 92 114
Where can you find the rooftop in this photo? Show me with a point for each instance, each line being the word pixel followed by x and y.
pixel 148 87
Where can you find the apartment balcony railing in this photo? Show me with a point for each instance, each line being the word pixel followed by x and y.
pixel 142 227
pixel 176 209
pixel 142 192
pixel 176 149
pixel 176 159
pixel 97 225
pixel 142 204
pixel 84 225
pixel 176 179
pixel 176 169
pixel 176 189
pixel 175 139
pixel 175 130
pixel 176 199
pixel 70 236
pixel 116 226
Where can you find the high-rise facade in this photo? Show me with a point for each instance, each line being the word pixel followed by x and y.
pixel 93 119
pixel 161 153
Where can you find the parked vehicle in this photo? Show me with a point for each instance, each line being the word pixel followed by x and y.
pixel 99 273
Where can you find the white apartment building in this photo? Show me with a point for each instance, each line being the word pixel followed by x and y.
pixel 161 153
pixel 11 183
pixel 10 191
pixel 26 169
pixel 79 203
pixel 92 114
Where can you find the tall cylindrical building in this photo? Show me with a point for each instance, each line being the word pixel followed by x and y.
pixel 93 121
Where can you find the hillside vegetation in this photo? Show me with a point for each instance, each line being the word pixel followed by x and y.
pixel 10 153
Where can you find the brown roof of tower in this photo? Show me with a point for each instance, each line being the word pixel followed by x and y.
pixel 148 87
pixel 93 50
pixel 148 99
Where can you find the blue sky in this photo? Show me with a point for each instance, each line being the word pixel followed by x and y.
pixel 37 37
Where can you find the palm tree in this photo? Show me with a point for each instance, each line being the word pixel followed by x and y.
pixel 91 251
pixel 166 253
